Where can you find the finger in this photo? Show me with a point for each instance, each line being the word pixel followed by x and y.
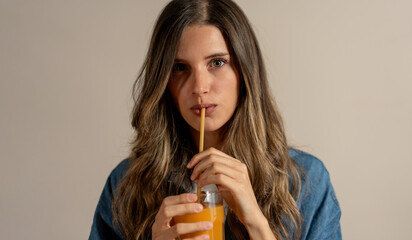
pixel 216 168
pixel 165 214
pixel 198 157
pixel 222 180
pixel 217 162
pixel 169 212
pixel 185 228
pixel 201 237
pixel 179 199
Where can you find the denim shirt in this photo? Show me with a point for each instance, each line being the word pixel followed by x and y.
pixel 317 203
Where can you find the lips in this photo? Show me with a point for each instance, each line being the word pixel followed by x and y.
pixel 209 108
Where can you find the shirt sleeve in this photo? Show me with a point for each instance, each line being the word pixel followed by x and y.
pixel 318 203
pixel 102 227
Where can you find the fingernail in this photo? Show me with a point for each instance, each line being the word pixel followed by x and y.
pixel 192 197
pixel 189 165
pixel 208 225
pixel 206 237
pixel 198 207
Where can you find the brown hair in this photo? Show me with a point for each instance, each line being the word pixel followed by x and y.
pixel 163 145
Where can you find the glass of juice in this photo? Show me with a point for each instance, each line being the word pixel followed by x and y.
pixel 212 211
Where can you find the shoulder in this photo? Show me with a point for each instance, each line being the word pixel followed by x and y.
pixel 315 177
pixel 102 227
pixel 116 175
pixel 119 171
pixel 114 179
pixel 311 165
pixel 317 202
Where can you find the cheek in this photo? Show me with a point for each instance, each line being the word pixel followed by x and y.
pixel 235 94
pixel 172 88
pixel 229 86
pixel 177 92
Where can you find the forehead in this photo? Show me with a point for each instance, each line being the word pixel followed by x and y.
pixel 201 41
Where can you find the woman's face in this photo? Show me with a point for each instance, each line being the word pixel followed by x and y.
pixel 204 75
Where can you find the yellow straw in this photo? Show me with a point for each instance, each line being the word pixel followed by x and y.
pixel 202 129
pixel 201 141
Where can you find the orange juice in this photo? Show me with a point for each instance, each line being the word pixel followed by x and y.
pixel 214 214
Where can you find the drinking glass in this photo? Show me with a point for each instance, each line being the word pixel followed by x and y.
pixel 212 211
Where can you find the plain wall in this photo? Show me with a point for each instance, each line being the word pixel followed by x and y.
pixel 341 72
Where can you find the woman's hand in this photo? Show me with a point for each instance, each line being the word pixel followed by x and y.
pixel 164 226
pixel 232 179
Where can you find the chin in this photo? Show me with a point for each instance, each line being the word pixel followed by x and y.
pixel 211 122
pixel 208 127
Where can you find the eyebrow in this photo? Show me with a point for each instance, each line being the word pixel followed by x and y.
pixel 222 54
pixel 217 55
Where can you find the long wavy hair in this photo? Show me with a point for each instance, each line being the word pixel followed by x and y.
pixel 162 145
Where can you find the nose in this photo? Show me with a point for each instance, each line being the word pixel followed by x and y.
pixel 201 83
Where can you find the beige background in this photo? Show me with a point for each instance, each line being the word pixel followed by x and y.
pixel 341 72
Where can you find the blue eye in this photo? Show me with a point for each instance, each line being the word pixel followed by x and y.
pixel 179 67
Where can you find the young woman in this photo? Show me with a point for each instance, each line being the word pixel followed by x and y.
pixel 204 54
